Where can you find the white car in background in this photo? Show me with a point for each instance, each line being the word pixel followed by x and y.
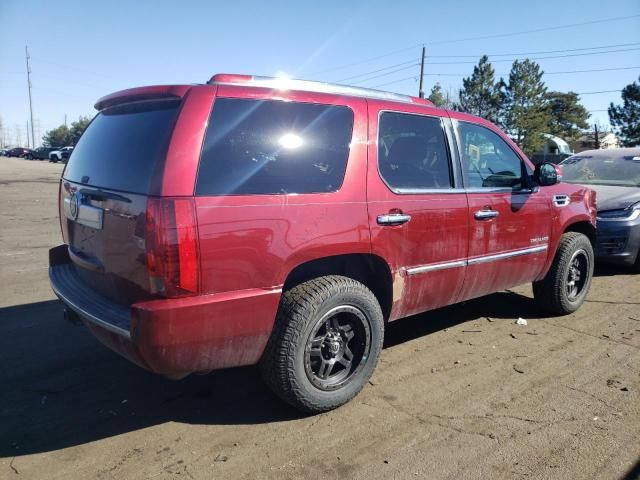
pixel 61 155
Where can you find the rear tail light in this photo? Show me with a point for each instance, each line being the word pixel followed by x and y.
pixel 171 239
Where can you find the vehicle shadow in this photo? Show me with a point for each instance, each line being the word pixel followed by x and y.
pixel 610 270
pixel 59 387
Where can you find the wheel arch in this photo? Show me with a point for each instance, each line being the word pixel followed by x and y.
pixel 585 228
pixel 369 269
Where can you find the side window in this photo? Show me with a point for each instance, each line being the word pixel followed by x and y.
pixel 412 152
pixel 487 160
pixel 274 147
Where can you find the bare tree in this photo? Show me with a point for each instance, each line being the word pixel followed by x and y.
pixel 18 135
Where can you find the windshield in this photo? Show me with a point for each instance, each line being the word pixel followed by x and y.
pixel 602 169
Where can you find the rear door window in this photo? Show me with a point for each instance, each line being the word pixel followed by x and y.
pixel 122 146
pixel 274 147
pixel 413 153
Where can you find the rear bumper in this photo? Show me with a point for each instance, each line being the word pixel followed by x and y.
pixel 172 336
pixel 618 241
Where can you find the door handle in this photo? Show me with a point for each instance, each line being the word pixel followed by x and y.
pixel 485 214
pixel 393 219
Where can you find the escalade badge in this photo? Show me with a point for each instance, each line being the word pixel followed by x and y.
pixel 539 239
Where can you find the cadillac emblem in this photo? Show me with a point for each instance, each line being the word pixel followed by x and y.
pixel 74 205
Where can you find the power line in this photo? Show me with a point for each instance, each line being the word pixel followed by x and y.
pixel 539 52
pixel 386 73
pixel 412 62
pixel 601 91
pixel 537 30
pixel 499 35
pixel 543 58
pixel 503 74
pixel 588 71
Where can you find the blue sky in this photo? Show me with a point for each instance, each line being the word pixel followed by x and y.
pixel 81 50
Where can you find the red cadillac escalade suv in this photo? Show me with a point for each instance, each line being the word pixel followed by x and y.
pixel 255 220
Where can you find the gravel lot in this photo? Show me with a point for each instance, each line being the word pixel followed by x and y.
pixel 462 392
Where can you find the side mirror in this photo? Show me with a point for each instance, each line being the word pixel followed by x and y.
pixel 547 174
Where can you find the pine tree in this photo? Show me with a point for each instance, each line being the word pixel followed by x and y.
pixel 480 95
pixel 526 116
pixel 625 118
pixel 567 116
pixel 437 97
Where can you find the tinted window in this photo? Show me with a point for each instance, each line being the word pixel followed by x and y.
pixel 274 147
pixel 120 148
pixel 487 160
pixel 603 168
pixel 412 152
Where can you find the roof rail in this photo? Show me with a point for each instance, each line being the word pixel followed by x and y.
pixel 277 83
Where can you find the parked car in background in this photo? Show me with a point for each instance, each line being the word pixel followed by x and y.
pixel 19 152
pixel 60 155
pixel 615 176
pixel 42 153
pixel 3 152
pixel 254 221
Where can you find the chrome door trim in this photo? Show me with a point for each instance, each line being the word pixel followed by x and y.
pixel 501 256
pixel 435 266
pixel 432 267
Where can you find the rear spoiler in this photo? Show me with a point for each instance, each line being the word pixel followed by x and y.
pixel 155 92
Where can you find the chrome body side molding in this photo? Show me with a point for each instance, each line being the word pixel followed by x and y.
pixel 431 267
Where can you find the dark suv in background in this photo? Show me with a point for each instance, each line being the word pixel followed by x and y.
pixel 41 153
pixel 256 220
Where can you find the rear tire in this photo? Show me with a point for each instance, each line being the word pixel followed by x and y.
pixel 564 288
pixel 325 343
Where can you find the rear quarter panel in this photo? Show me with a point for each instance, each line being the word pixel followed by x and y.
pixel 254 241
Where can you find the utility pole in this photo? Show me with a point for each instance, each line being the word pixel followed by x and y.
pixel 26 51
pixel 596 137
pixel 28 142
pixel 65 119
pixel 420 91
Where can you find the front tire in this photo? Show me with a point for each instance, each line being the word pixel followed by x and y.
pixel 325 343
pixel 564 288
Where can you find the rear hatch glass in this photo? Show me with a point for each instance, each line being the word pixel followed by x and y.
pixel 121 147
pixel 103 199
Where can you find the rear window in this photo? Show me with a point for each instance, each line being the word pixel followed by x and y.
pixel 274 147
pixel 122 146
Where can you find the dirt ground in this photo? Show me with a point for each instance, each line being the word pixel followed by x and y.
pixel 462 392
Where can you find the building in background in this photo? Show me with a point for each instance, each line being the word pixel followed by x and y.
pixel 588 141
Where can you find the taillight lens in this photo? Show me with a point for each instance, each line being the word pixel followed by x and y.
pixel 171 239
